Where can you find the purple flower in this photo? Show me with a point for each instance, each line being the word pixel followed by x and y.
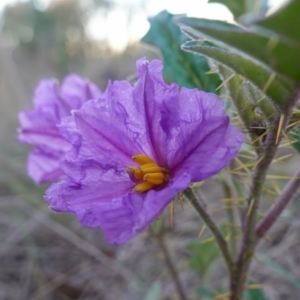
pixel 136 148
pixel 39 126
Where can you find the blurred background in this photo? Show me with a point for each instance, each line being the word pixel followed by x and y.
pixel 50 256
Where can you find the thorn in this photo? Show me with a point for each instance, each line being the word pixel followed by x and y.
pixel 279 128
pixel 225 81
pixel 172 210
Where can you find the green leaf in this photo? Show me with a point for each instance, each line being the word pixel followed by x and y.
pixel 204 252
pixel 282 22
pixel 274 53
pixel 237 8
pixel 186 69
pixel 202 255
pixel 154 292
pixel 275 87
pixel 280 270
pixel 255 294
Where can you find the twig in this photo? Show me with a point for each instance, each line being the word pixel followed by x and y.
pixel 212 226
pixel 249 242
pixel 282 201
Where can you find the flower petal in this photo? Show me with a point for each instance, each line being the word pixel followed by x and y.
pixel 36 130
pixel 67 196
pixel 44 167
pixel 39 127
pixel 75 91
pixel 48 102
pixel 147 95
pixel 200 139
pixel 120 213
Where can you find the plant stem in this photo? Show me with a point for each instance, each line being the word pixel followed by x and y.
pixel 212 226
pixel 169 264
pixel 238 277
pixel 282 201
pixel 249 239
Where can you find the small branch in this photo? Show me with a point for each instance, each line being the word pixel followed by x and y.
pixel 212 226
pixel 250 239
pixel 231 219
pixel 169 264
pixel 282 201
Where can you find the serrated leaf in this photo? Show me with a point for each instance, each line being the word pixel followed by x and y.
pixel 278 89
pixel 283 21
pixel 274 53
pixel 184 68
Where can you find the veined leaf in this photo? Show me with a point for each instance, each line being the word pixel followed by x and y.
pixel 279 55
pixel 186 69
pixel 277 88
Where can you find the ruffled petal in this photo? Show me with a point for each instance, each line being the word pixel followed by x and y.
pixel 75 91
pixel 200 139
pixel 148 93
pixel 67 196
pixel 99 145
pixel 43 167
pixel 126 217
pixel 36 130
pixel 120 213
pixel 48 102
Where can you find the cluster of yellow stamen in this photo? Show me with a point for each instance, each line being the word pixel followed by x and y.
pixel 148 175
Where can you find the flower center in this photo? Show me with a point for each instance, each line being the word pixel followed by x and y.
pixel 148 175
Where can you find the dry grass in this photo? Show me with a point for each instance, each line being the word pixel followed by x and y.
pixel 48 256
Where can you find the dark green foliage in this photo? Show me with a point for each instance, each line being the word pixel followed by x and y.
pixel 186 69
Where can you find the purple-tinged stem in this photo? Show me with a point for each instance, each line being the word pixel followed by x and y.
pixel 282 201
pixel 250 239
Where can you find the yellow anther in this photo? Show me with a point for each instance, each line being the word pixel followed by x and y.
pixel 149 175
pixel 142 159
pixel 150 168
pixel 136 172
pixel 155 178
pixel 143 187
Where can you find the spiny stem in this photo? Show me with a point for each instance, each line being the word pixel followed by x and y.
pixel 249 239
pixel 249 242
pixel 212 226
pixel 282 201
